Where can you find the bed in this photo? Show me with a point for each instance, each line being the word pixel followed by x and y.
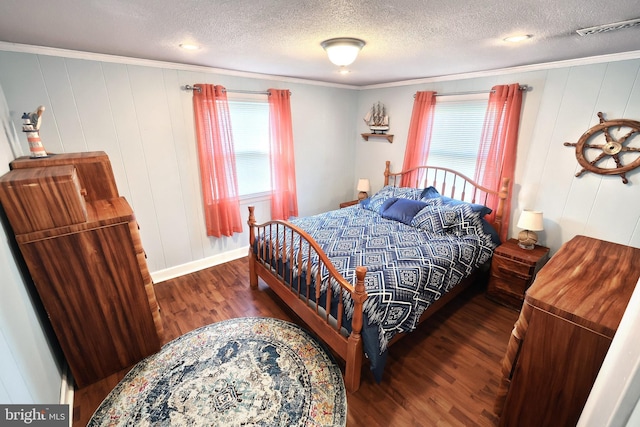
pixel 362 276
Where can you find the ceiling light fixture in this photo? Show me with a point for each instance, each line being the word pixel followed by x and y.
pixel 342 51
pixel 188 46
pixel 518 38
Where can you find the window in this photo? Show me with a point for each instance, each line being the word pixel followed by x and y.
pixel 456 132
pixel 250 125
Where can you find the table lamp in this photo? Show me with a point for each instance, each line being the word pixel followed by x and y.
pixel 530 222
pixel 363 187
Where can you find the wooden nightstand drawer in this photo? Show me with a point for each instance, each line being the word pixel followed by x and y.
pixel 513 270
pixel 508 291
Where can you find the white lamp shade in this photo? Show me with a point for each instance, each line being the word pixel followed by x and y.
pixel 363 185
pixel 342 51
pixel 530 220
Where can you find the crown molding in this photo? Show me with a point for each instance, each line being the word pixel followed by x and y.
pixel 624 56
pixel 66 53
pixel 126 60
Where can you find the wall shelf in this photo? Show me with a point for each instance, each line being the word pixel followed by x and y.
pixel 366 136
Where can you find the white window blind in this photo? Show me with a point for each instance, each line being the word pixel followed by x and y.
pixel 250 126
pixel 456 133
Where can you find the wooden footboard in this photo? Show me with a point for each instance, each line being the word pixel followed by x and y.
pixel 293 286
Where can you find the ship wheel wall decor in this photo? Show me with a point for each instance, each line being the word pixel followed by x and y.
pixel 619 144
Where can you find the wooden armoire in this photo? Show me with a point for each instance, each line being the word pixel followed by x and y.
pixel 81 244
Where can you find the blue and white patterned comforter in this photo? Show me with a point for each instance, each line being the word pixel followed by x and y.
pixel 407 267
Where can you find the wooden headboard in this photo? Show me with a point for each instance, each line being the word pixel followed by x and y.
pixel 453 184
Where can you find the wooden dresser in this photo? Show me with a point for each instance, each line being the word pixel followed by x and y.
pixel 81 244
pixel 568 320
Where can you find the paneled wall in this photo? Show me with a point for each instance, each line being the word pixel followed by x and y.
pixel 140 116
pixel 28 369
pixel 560 106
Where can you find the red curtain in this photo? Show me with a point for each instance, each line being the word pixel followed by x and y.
pixel 498 145
pixel 419 136
pixel 217 160
pixel 284 197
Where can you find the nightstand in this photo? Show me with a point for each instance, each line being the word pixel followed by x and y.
pixel 513 270
pixel 349 203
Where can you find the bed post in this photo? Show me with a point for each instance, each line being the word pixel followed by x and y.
pixel 387 172
pixel 253 275
pixel 354 345
pixel 502 196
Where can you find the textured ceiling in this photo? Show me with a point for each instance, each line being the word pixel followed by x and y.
pixel 406 39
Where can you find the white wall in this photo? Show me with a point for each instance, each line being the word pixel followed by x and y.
pixel 140 116
pixel 560 107
pixel 28 369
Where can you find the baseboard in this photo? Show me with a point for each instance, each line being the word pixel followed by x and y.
pixel 191 267
pixel 67 391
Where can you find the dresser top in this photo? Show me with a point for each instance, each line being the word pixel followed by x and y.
pixel 589 282
pixel 59 159
pixel 511 250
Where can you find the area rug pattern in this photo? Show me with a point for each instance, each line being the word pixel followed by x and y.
pixel 238 372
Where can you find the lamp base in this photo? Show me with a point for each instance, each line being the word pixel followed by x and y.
pixel 527 239
pixel 362 195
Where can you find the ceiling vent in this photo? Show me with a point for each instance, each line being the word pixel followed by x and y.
pixel 609 27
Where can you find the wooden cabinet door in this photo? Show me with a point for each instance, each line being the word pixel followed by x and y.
pixel 556 368
pixel 92 289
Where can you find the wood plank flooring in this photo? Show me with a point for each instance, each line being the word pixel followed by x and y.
pixel 446 373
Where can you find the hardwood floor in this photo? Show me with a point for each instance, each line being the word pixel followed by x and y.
pixel 445 373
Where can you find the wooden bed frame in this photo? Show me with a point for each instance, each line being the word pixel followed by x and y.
pixel 288 285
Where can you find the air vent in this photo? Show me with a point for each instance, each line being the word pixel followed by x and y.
pixel 609 27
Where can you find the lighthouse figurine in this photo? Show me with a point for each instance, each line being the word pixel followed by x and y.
pixel 31 125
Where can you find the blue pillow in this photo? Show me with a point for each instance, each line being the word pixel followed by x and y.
pixel 491 231
pixel 388 191
pixel 432 193
pixel 402 210
pixel 429 193
pixel 482 210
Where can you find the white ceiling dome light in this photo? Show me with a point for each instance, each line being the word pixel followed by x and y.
pixel 342 51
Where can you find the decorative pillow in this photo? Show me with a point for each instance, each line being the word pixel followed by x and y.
pixel 431 193
pixel 470 224
pixel 491 231
pixel 389 191
pixel 482 210
pixel 436 218
pixel 402 210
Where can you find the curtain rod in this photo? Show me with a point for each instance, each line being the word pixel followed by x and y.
pixel 255 92
pixel 475 92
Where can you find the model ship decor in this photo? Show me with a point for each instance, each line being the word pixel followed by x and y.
pixel 377 119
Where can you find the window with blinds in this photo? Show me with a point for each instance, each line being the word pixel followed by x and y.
pixel 456 133
pixel 250 125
